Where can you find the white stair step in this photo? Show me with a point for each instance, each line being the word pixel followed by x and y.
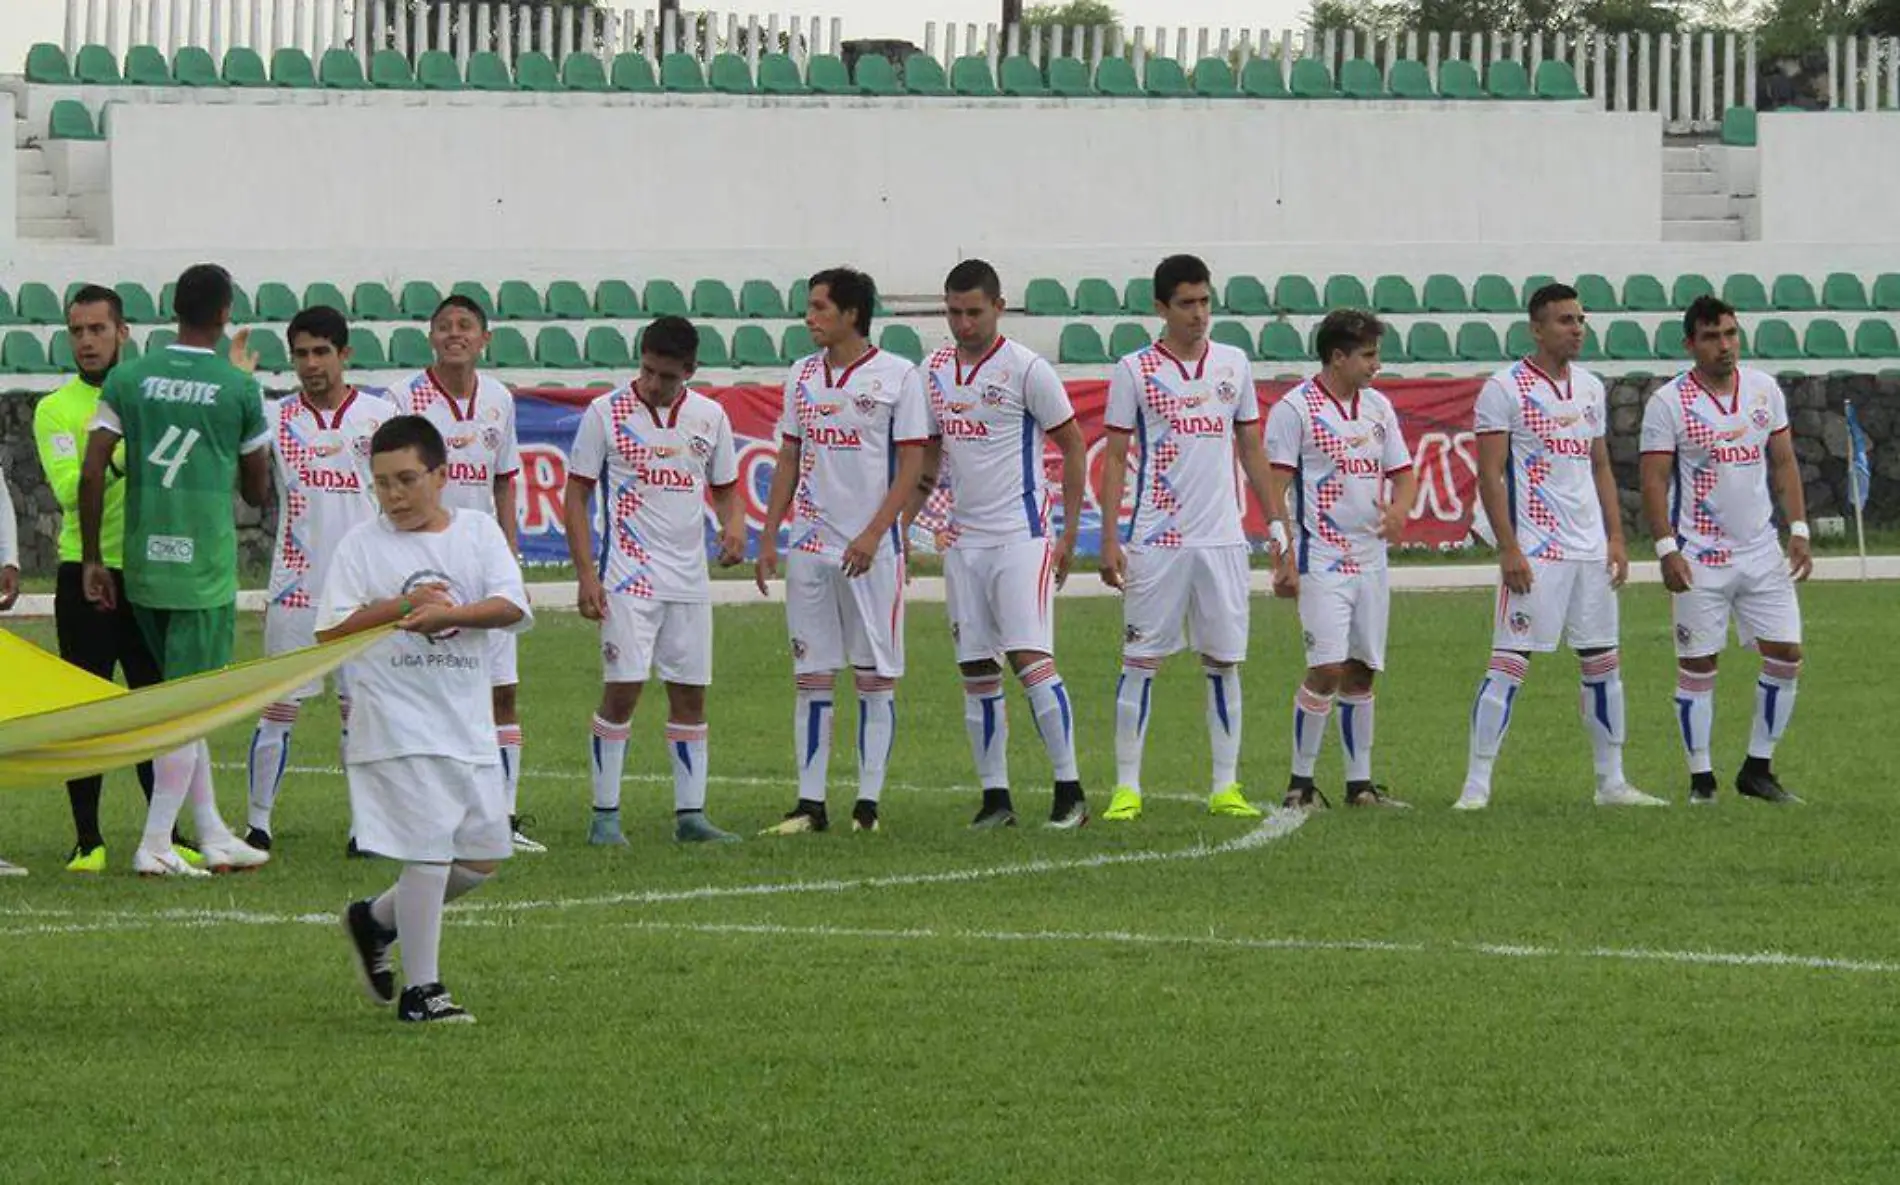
pixel 69 230
pixel 36 185
pixel 1681 159
pixel 1702 230
pixel 1686 206
pixel 29 160
pixel 1700 181
pixel 44 205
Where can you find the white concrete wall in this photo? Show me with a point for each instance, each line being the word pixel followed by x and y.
pixel 1829 178
pixel 9 180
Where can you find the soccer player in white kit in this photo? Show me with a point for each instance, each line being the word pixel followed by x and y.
pixel 320 449
pixel 851 443
pixel 992 403
pixel 9 589
pixel 1714 439
pixel 1550 497
pixel 1336 442
pixel 476 415
pixel 654 450
pixel 1189 406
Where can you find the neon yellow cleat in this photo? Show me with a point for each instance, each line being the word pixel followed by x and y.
pixel 92 860
pixel 1125 807
pixel 189 855
pixel 1232 804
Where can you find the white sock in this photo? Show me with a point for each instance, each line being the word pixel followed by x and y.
pixel 1695 713
pixel 171 785
pixel 1602 707
pixel 609 760
pixel 463 880
pixel 687 744
pixel 1355 735
pixel 1310 710
pixel 343 731
pixel 508 740
pixel 270 749
pixel 986 720
pixel 1049 703
pixel 204 801
pixel 877 732
pixel 421 891
pixel 1774 704
pixel 812 728
pixel 1223 722
pixel 1132 693
pixel 1491 714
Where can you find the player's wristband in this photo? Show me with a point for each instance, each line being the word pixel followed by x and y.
pixel 406 607
pixel 1277 533
pixel 1666 548
pixel 1798 530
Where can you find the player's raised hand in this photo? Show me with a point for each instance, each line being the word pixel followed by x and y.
pixel 1391 520
pixel 1618 564
pixel 591 598
pixel 1065 557
pixel 242 355
pixel 1800 558
pixel 99 587
pixel 860 553
pixel 1675 573
pixel 1515 567
pixel 765 567
pixel 1114 561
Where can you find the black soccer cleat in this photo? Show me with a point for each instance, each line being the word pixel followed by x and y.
pixel 370 944
pixel 997 811
pixel 429 1003
pixel 258 838
pixel 1368 794
pixel 1702 789
pixel 864 815
pixel 1757 780
pixel 1303 794
pixel 1069 810
pixel 803 818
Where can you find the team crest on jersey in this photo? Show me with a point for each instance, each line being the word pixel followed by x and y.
pixel 865 404
pixel 1590 414
pixel 1227 393
pixel 610 652
pixel 491 439
pixel 360 446
pixel 700 446
pixel 327 445
pixel 994 396
pixel 1520 622
pixel 1378 433
pixel 1759 418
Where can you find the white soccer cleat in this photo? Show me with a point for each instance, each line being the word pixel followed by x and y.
pixel 1624 794
pixel 165 863
pixel 1474 798
pixel 8 868
pixel 232 855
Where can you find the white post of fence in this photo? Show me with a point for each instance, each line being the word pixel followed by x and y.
pixel 1431 57
pixel 1580 51
pixel 481 42
pixel 564 35
pixel 1599 71
pixel 969 38
pixel 949 42
pixel 1537 49
pixel 992 46
pixel 1138 51
pixel 546 45
pixel 1201 43
pixel 650 37
pixel 1348 43
pixel 322 20
pixel 1729 80
pixel 73 35
pixel 96 22
pixel 1665 64
pixel 1642 73
pixel 1833 72
pixel 1181 44
pixel 300 29
pixel 118 49
pixel 1105 43
pixel 1329 52
pixel 1748 72
pixel 1286 55
pixel 1161 44
pixel 1411 45
pixel 1850 75
pixel 1893 73
pixel 1871 79
pixel 1705 86
pixel 1685 79
pixel 504 35
pixel 216 45
pixel 1391 54
pixel 178 27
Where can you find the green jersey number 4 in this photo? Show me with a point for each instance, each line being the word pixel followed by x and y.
pixel 171 452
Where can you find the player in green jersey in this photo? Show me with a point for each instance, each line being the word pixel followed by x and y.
pixel 191 423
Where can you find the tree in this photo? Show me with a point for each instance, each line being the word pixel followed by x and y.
pixel 1087 14
pixel 1385 17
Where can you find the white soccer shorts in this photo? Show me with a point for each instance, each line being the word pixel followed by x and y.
pixel 1344 616
pixel 1204 588
pixel 838 621
pixel 1001 599
pixel 502 671
pixel 640 633
pixel 288 629
pixel 1756 590
pixel 430 810
pixel 1570 601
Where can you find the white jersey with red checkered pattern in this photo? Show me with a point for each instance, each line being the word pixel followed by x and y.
pixel 652 468
pixel 1720 501
pixel 323 487
pixel 1182 416
pixel 1549 478
pixel 480 434
pixel 1341 453
pixel 849 425
pixel 992 418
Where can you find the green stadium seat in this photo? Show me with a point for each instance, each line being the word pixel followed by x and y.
pixel 59 353
pixel 825 75
pixel 1280 342
pixel 241 311
pixel 1687 288
pixel 70 120
pixel 487 72
pixel 1018 76
pixel 583 72
pixel 46 64
pixel 761 298
pixel 1625 341
pixel 1793 294
pixel 1666 341
pixel 1115 79
pixel 140 309
pixel 436 70
pixel 1644 294
pixel 409 349
pixel 1391 345
pixel 1246 296
pixel 1069 78
pixel 1886 295
pixel 1531 285
pixel 731 75
pixel 1477 342
pixel 145 65
pixel 1346 292
pixel 1876 339
pixel 1746 293
pixel 1260 78
pixel 275 302
pixel 1138 297
pixel 1081 345
pixel 339 70
pixel 158 339
pixel 1445 294
pixel 1311 80
pixel 273 357
pixel 38 305
pixel 1775 340
pixel 1592 348
pixel 1458 79
pixel 475 291
pixel 1518 342
pixel 1428 342
pixel 1360 79
pixel 554 346
pixel 614 299
pixel 243 67
pixel 712 299
pixel 752 346
pixel 388 69
pixel 1410 80
pixel 372 302
pixel 680 72
pixel 1555 80
pixel 1165 79
pixel 798 296
pixel 874 75
pixel 970 75
pixel 663 298
pixel 94 65
pixel 901 340
pixel 633 74
pixel 1597 294
pixel 1296 296
pixel 1095 297
pixel 327 295
pixel 1044 297
pixel 8 314
pixel 1394 294
pixel 1826 338
pixel 366 350
pixel 419 300
pixel 606 348
pixel 794 343
pixel 534 71
pixel 1492 293
pixel 1739 127
pixel 1505 79
pixel 1235 334
pixel 516 300
pixel 1214 79
pixel 290 67
pixel 22 353
pixel 506 348
pixel 192 66
pixel 778 75
pixel 1127 337
pixel 712 347
pixel 923 75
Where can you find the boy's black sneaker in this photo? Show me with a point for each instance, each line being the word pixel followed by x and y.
pixel 369 944
pixel 1757 780
pixel 430 1004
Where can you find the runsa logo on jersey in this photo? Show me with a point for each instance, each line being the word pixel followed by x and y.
pixel 1736 454
pixel 665 477
pixel 468 471
pixel 965 430
pixel 341 481
pixel 835 437
pixel 1567 446
pixel 1199 425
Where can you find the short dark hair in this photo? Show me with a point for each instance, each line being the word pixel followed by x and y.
pixel 1706 309
pixel 1345 331
pixel 851 289
pixel 1176 270
pixel 98 294
pixel 202 299
pixel 322 321
pixel 458 301
pixel 1550 294
pixel 672 337
pixel 416 432
pixel 974 275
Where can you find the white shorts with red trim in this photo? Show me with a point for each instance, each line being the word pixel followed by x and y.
pixel 287 629
pixel 1570 601
pixel 1001 599
pixel 839 621
pixel 1343 615
pixel 1203 588
pixel 640 634
pixel 1755 590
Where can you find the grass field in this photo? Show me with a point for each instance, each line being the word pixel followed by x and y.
pixel 1542 992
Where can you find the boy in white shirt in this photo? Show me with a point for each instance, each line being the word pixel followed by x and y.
pixel 425 781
